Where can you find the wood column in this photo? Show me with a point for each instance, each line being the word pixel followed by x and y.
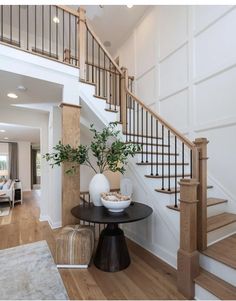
pixel 82 42
pixel 201 144
pixel 188 257
pixel 70 182
pixel 124 83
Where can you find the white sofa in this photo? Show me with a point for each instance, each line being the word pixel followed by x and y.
pixel 9 189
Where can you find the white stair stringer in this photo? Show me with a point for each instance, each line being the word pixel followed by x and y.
pixel 160 232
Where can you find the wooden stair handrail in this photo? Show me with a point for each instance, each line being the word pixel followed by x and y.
pixel 163 121
pixel 68 10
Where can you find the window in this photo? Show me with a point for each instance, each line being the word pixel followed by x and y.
pixel 3 165
pixel 4 160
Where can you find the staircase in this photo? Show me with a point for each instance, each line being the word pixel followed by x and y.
pixel 171 167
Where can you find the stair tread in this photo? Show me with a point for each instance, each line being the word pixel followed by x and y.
pixel 111 110
pixel 223 251
pixel 100 97
pixel 87 82
pixel 216 286
pixel 215 201
pixel 209 203
pixel 166 176
pixel 160 163
pixel 220 220
pixel 172 190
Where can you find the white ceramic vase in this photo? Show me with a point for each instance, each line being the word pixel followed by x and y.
pixel 97 185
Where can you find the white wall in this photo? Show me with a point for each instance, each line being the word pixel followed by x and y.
pixel 184 62
pixel 24 164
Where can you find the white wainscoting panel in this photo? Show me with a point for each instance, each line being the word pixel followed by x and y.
pixel 216 46
pixel 146 87
pixel 175 109
pixel 145 43
pixel 173 25
pixel 215 98
pixel 204 15
pixel 173 72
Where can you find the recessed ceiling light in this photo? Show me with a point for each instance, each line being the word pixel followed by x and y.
pixel 12 95
pixel 129 5
pixel 21 88
pixel 2 131
pixel 5 138
pixel 56 20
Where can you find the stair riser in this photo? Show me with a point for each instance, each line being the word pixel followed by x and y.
pixel 216 209
pixel 221 233
pixel 219 269
pixel 203 294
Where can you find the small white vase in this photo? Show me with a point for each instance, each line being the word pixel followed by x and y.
pixel 97 185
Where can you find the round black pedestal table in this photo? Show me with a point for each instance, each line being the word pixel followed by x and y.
pixel 112 253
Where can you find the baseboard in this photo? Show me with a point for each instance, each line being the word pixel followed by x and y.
pixel 53 225
pixel 72 266
pixel 155 249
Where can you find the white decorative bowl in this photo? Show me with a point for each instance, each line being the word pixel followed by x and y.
pixel 115 206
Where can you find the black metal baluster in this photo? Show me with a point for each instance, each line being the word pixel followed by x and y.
pixel 92 59
pixel 157 156
pixel 42 29
pixel 142 132
pixel 63 34
pixel 27 27
pixel 162 171
pixel 69 35
pixel 110 86
pixel 115 91
pixel 126 112
pixel 50 30
pixel 146 136
pixel 129 104
pixel 176 204
pixel 104 65
pixel 183 160
pixel 2 7
pixel 191 164
pixel 134 128
pixel 138 123
pixel 99 82
pixel 76 54
pixel 19 29
pixel 168 160
pixel 11 23
pixel 152 145
pixel 57 24
pixel 35 27
pixel 87 50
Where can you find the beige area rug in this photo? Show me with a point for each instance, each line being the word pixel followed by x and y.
pixel 28 272
pixel 4 209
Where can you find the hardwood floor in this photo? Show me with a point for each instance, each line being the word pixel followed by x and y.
pixel 146 278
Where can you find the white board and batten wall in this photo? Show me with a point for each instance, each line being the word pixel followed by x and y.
pixel 184 62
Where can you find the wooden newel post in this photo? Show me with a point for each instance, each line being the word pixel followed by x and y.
pixel 71 183
pixel 124 83
pixel 82 42
pixel 188 257
pixel 201 144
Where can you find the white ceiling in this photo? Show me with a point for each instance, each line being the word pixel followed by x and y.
pixel 40 95
pixel 38 91
pixel 114 23
pixel 19 133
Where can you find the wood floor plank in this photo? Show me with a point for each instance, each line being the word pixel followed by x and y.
pixel 146 278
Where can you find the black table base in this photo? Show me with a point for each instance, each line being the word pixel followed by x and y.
pixel 112 254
